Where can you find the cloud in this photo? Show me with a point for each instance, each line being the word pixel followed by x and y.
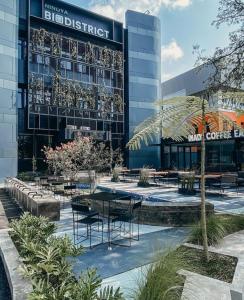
pixel 172 51
pixel 166 76
pixel 115 9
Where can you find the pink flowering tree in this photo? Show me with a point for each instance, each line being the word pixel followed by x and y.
pixel 84 153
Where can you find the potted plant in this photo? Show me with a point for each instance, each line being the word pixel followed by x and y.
pixel 187 184
pixel 144 178
pixel 115 174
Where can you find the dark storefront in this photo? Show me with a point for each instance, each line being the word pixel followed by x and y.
pixel 71 78
pixel 222 155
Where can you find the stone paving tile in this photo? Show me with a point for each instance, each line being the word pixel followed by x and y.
pixel 121 259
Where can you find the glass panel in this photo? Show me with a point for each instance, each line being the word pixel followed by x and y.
pixel 174 158
pixel 187 158
pixel 65 48
pixel 213 156
pixel 81 51
pixel 43 122
pixel 195 157
pixel 166 157
pixel 227 156
pixel 181 158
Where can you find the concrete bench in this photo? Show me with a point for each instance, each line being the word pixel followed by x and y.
pixel 33 200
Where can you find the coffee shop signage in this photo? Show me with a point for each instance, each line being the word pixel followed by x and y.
pixel 217 135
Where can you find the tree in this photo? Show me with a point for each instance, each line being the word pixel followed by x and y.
pixel 227 62
pixel 84 153
pixel 178 118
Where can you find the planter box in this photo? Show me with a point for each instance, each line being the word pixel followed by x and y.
pixel 187 192
pixel 19 286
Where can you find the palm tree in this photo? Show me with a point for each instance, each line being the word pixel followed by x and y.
pixel 177 118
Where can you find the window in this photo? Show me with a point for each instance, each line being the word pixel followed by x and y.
pixel 100 76
pixel 85 73
pixel 93 78
pixel 65 48
pixel 21 98
pixel 53 66
pixel 107 78
pixel 81 51
pixel 39 59
pixel 22 51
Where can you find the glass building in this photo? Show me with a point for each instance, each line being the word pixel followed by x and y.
pixel 68 72
pixel 144 79
pixel 8 87
pixel 224 149
pixel 71 79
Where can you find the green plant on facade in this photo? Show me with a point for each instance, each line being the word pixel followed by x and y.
pixel 71 93
pixel 46 265
pixel 179 117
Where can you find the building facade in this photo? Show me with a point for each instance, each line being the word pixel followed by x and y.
pixel 68 72
pixel 71 79
pixel 8 87
pixel 224 149
pixel 144 80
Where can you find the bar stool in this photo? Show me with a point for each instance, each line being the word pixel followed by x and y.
pixel 126 216
pixel 82 214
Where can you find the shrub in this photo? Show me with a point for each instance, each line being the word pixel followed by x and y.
pixel 115 174
pixel 45 263
pixel 232 223
pixel 215 231
pixel 161 279
pixel 27 176
pixel 144 178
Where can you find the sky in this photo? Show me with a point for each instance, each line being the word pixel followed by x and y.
pixel 184 23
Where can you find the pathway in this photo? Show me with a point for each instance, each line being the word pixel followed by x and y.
pixel 205 288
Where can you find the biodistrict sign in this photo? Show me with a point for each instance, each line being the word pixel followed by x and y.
pixel 64 17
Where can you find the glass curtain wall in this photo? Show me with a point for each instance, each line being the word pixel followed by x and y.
pixel 221 156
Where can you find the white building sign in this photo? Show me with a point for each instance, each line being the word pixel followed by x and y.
pixel 219 135
pixel 63 17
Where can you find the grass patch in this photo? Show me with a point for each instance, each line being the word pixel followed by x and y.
pixel 162 281
pixel 218 226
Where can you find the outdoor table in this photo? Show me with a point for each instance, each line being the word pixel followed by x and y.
pixel 54 185
pixel 104 197
pixel 158 174
pixel 208 176
pixel 124 172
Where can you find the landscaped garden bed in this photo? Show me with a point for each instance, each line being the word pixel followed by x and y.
pixel 163 281
pixel 218 226
pixel 47 267
pixel 221 267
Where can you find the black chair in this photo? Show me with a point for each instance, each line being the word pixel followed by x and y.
pixel 227 181
pixel 82 214
pixel 120 217
pixel 70 190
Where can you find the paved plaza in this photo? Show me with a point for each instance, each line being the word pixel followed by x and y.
pixel 230 201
